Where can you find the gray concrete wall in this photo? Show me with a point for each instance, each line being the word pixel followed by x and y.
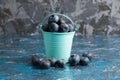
pixel 92 16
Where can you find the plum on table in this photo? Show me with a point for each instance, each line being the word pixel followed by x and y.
pixel 89 55
pixel 52 62
pixel 74 59
pixel 60 63
pixel 35 60
pixel 44 64
pixel 84 61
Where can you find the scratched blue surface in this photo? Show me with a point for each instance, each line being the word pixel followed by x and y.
pixel 15 62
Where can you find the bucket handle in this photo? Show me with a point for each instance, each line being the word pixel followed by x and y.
pixel 44 20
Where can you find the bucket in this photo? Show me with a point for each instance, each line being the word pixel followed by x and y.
pixel 57 45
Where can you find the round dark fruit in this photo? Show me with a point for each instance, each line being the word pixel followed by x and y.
pixel 52 62
pixel 63 28
pixel 60 63
pixel 44 64
pixel 53 27
pixel 84 61
pixel 74 59
pixel 53 18
pixel 45 27
pixel 89 55
pixel 71 28
pixel 61 21
pixel 35 60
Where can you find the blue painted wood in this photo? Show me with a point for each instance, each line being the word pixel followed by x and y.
pixel 16 50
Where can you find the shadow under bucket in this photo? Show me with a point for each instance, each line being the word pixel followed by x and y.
pixel 58 45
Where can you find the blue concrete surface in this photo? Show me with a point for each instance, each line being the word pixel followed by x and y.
pixel 15 60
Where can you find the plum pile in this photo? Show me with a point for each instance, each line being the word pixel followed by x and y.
pixel 74 60
pixel 57 24
pixel 43 63
pixel 83 60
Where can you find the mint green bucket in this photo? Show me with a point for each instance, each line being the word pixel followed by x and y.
pixel 57 45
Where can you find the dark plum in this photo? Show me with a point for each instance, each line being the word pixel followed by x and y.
pixel 53 27
pixel 89 55
pixel 52 62
pixel 44 64
pixel 53 18
pixel 35 60
pixel 71 28
pixel 84 61
pixel 45 27
pixel 74 59
pixel 63 28
pixel 61 21
pixel 60 63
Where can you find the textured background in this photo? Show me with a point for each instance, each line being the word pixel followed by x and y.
pixel 92 16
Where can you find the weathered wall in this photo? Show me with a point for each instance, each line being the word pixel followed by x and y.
pixel 94 16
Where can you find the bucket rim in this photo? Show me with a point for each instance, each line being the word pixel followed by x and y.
pixel 59 32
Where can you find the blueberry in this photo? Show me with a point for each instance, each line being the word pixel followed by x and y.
pixel 84 61
pixel 74 59
pixel 71 28
pixel 60 63
pixel 63 28
pixel 35 60
pixel 44 64
pixel 45 27
pixel 89 55
pixel 53 27
pixel 52 62
pixel 61 21
pixel 53 18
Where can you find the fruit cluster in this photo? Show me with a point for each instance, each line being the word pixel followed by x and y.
pixel 83 60
pixel 44 63
pixel 74 60
pixel 57 24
